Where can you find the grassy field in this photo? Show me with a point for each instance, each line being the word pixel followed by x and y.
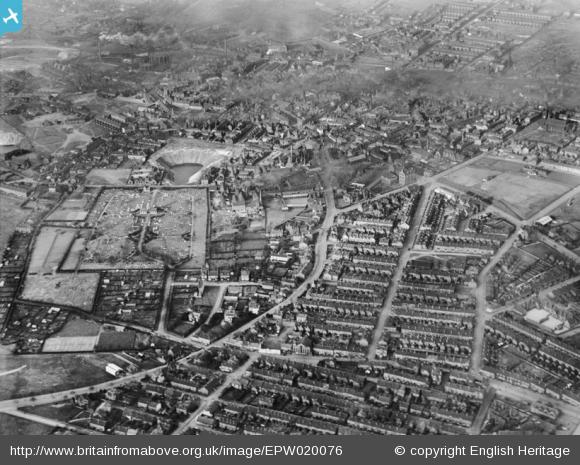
pixel 12 215
pixel 507 183
pixel 50 249
pixel 72 209
pixel 62 289
pixel 10 425
pixel 47 139
pixel 51 373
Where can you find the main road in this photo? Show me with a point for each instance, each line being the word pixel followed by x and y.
pixel 206 402
pixel 68 394
pixel 482 315
pixel 397 275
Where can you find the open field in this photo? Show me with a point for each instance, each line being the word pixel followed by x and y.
pixel 110 177
pixel 111 340
pixel 275 216
pixel 46 139
pixel 76 290
pixel 12 215
pixel 29 56
pixel 57 136
pixel 46 119
pixel 50 248
pixel 77 335
pixel 540 250
pixel 48 373
pixel 76 139
pixel 290 179
pixel 10 425
pixel 537 132
pixel 72 209
pixel 508 184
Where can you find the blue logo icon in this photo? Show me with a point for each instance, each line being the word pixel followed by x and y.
pixel 10 16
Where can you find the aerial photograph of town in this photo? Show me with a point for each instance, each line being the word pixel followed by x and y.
pixel 290 217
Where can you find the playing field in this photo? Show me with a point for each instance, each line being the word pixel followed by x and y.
pixel 510 186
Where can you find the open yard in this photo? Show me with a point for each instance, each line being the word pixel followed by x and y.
pixel 510 186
